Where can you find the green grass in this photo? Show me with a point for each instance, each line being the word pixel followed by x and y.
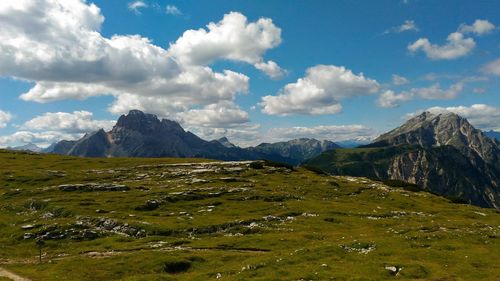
pixel 265 223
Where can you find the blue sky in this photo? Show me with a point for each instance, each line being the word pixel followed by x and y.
pixel 333 70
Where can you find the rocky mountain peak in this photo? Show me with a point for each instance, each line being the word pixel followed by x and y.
pixel 225 142
pixel 138 121
pixel 433 129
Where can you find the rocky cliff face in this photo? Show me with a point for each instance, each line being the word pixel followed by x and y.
pixel 428 130
pixel 441 153
pixel 446 171
pixel 139 134
pixel 467 165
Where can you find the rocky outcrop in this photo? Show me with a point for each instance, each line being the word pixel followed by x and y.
pixel 441 153
pixel 225 142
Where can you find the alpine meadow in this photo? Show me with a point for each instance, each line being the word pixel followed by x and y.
pixel 249 140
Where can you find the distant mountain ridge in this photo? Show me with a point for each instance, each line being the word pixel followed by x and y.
pixel 296 150
pixel 139 134
pixel 27 147
pixel 441 153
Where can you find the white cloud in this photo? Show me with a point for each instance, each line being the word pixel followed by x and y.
pixel 42 139
pixel 57 46
pixel 434 92
pixel 479 27
pixel 492 68
pixel 399 80
pixel 328 132
pixel 319 92
pixel 457 46
pixel 232 38
pixel 136 6
pixel 242 136
pixel 172 10
pixel 390 99
pixel 76 122
pixel 481 116
pixel 271 68
pixel 408 25
pixel 221 115
pixel 5 117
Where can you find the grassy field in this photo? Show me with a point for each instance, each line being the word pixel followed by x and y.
pixel 192 219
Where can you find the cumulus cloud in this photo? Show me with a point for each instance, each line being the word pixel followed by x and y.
pixel 271 68
pixel 243 136
pixel 172 10
pixel 57 45
pixel 136 6
pixel 434 92
pixel 390 99
pixel 5 117
pixel 319 92
pixel 458 45
pixel 492 68
pixel 42 139
pixel 220 115
pixel 399 80
pixel 479 27
pixel 408 25
pixel 481 116
pixel 72 123
pixel 232 38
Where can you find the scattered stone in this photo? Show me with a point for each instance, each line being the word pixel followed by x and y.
pixel 150 205
pixel 229 179
pixel 89 234
pixel 361 248
pixel 393 270
pixel 47 215
pixel 195 180
pixel 28 226
pixel 28 235
pixel 93 187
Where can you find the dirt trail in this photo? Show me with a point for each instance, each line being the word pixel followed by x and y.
pixel 11 275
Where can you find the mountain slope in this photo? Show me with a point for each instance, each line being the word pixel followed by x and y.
pixel 225 142
pixel 139 134
pixel 440 153
pixel 181 219
pixel 296 150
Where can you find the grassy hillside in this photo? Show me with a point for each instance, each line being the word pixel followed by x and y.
pixel 190 219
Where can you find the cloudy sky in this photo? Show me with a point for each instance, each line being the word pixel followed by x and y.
pixel 250 70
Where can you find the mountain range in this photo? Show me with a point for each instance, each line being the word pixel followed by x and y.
pixel 139 134
pixel 440 153
pixel 27 147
